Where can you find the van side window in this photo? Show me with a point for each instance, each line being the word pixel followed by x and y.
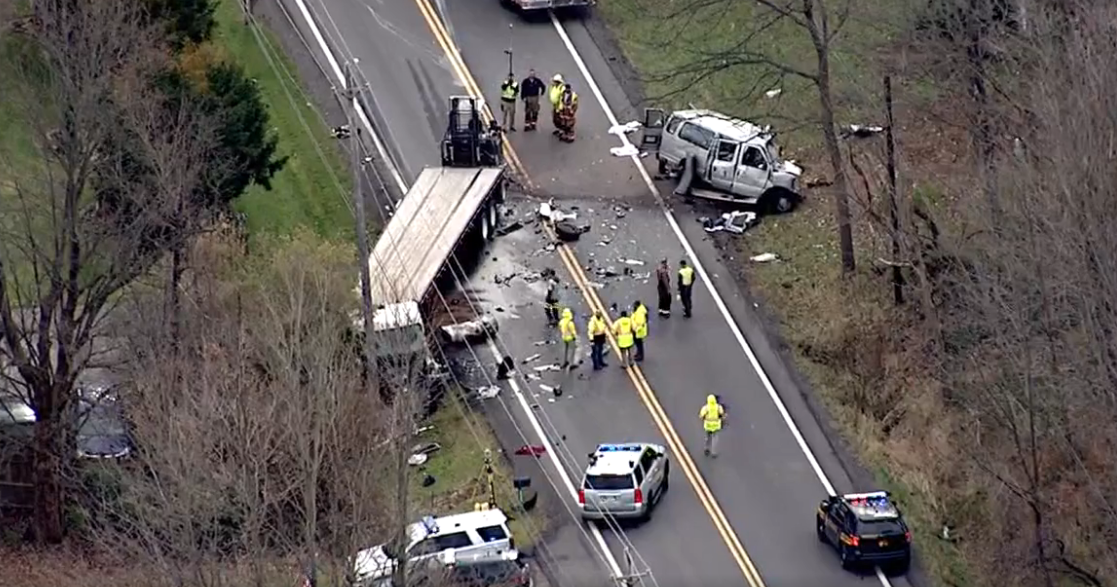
pixel 453 540
pixel 428 546
pixel 673 124
pixel 754 158
pixel 491 533
pixel 696 135
pixel 727 152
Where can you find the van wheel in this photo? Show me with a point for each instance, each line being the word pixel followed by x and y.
pixel 779 201
pixel 494 221
pixel 486 229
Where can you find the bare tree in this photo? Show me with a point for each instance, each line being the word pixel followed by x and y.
pixel 91 209
pixel 1039 291
pixel 819 21
pixel 259 441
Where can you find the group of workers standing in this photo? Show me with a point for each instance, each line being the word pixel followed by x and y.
pixel 563 99
pixel 631 331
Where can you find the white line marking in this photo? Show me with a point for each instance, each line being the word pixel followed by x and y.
pixel 702 273
pixel 396 177
pixel 526 407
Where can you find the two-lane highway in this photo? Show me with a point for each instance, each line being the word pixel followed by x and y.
pixel 746 516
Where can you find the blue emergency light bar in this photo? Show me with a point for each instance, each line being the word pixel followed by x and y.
pixel 874 496
pixel 618 448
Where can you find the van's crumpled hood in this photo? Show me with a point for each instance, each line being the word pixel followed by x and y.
pixel 372 563
pixel 792 168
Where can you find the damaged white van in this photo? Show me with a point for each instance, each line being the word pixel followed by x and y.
pixel 718 157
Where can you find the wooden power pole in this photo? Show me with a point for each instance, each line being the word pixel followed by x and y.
pixel 351 92
pixel 893 204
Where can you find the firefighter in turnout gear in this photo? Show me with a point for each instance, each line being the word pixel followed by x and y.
pixel 686 286
pixel 551 303
pixel 597 330
pixel 568 112
pixel 531 89
pixel 554 95
pixel 640 327
pixel 509 92
pixel 712 415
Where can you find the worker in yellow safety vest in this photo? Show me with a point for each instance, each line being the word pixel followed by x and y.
pixel 622 329
pixel 640 326
pixel 554 94
pixel 568 111
pixel 686 286
pixel 569 347
pixel 509 92
pixel 711 414
pixel 597 331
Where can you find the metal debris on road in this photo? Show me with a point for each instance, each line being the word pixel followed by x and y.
pixel 471 331
pixel 636 262
pixel 764 258
pixel 509 229
pixel 623 129
pixel 627 150
pixel 736 222
pixel 531 358
pixel 546 388
pixel 551 367
pixel 533 377
pixel 488 392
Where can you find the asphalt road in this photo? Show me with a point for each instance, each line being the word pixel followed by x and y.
pixel 763 483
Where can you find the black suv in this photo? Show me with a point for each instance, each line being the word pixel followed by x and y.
pixel 864 528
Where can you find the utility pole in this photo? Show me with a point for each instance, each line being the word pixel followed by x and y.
pixel 893 204
pixel 508 51
pixel 351 92
pixel 632 577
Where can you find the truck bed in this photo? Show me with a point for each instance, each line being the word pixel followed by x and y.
pixel 425 230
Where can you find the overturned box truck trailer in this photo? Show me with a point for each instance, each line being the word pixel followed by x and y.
pixel 447 215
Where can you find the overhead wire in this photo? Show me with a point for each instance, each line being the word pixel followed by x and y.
pixel 570 461
pixel 269 50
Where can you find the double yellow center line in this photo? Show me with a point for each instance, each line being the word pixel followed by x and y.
pixel 647 396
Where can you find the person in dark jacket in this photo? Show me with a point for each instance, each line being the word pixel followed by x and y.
pixel 531 89
pixel 663 288
pixel 551 303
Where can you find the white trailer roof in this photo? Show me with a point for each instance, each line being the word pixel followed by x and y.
pixel 425 229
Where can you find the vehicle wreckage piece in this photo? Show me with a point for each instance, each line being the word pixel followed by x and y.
pixel 471 331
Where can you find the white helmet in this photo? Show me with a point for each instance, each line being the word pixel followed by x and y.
pixel 557 78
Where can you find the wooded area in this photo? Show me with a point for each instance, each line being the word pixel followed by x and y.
pixel 986 399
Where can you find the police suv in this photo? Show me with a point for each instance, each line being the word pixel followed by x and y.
pixel 624 481
pixel 864 527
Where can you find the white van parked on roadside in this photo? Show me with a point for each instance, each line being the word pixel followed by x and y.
pixel 468 534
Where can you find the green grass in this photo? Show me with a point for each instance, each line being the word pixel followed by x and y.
pixel 312 189
pixel 459 471
pixel 660 45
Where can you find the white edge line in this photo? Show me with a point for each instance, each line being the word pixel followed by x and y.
pixel 526 407
pixel 396 177
pixel 705 278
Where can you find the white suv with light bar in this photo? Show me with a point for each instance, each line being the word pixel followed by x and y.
pixel 624 480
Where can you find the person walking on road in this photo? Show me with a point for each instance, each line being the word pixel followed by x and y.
pixel 640 327
pixel 686 285
pixel 530 91
pixel 597 330
pixel 554 94
pixel 551 303
pixel 568 113
pixel 663 288
pixel 622 329
pixel 509 91
pixel 711 415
